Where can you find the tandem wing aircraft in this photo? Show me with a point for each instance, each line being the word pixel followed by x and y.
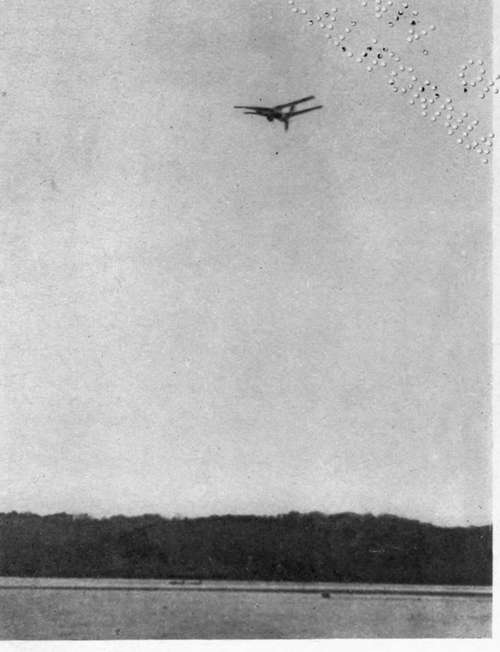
pixel 281 112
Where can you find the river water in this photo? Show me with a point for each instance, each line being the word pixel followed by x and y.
pixel 51 609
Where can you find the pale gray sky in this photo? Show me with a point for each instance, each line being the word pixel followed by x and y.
pixel 202 314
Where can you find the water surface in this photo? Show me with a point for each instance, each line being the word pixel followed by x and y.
pixel 159 609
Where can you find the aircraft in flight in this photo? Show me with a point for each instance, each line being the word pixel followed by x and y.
pixel 281 112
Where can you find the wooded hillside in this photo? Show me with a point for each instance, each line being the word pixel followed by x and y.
pixel 295 547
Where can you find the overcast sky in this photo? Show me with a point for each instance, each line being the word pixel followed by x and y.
pixel 203 314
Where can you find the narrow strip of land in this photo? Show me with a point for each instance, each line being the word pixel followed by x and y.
pixel 323 591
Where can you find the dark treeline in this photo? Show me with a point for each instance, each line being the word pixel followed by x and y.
pixel 295 547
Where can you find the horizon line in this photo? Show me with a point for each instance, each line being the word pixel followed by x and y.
pixel 181 517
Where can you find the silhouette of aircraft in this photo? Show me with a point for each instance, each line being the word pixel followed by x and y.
pixel 281 112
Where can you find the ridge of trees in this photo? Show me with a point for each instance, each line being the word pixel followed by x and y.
pixel 290 547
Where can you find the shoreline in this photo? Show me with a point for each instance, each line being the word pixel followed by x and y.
pixel 326 589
